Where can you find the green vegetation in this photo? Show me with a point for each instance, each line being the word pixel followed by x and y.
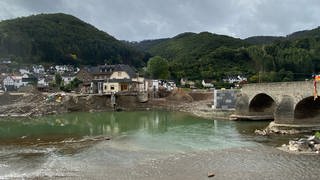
pixel 317 135
pixel 261 40
pixel 158 68
pixel 261 59
pixel 58 80
pixel 73 85
pixel 62 39
pixel 198 56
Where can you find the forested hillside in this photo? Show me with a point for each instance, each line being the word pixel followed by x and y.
pixel 62 39
pixel 261 58
pixel 202 55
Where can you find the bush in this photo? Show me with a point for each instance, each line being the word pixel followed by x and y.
pixel 317 135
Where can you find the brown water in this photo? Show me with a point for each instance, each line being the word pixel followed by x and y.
pixel 144 145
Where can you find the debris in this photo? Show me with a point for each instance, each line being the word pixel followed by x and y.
pixel 303 145
pixel 210 174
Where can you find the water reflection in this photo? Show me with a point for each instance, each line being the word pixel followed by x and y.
pixel 145 129
pixel 92 124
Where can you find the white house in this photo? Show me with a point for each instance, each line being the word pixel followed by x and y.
pixel 207 84
pixel 186 82
pixel 235 79
pixel 154 85
pixel 60 68
pixel 12 82
pixel 66 68
pixel 42 82
pixel 67 78
pixel 38 69
pixel 24 71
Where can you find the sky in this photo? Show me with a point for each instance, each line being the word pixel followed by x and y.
pixel 136 20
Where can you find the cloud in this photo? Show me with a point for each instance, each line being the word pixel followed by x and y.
pixel 151 19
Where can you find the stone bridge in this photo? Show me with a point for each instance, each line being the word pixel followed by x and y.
pixel 286 102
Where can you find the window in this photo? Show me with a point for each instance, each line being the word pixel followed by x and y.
pixel 112 87
pixel 124 87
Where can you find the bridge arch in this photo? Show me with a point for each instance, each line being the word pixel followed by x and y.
pixel 262 104
pixel 307 110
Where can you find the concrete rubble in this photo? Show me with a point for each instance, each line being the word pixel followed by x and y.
pixel 310 144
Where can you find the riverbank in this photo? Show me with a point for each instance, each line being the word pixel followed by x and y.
pixel 40 104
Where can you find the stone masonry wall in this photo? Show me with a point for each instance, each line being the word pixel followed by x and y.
pixel 225 99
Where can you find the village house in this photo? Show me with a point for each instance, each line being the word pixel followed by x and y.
pixel 86 77
pixel 42 82
pixel 123 79
pixel 61 69
pixel 28 79
pixel 23 71
pixel 234 79
pixel 38 69
pixel 155 85
pixel 5 61
pixel 93 78
pixel 106 79
pixel 187 83
pixel 207 84
pixel 11 83
pixel 67 78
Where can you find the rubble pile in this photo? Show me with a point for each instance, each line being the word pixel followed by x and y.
pixel 303 145
pixel 35 104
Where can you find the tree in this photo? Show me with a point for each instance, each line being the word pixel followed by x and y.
pixel 58 80
pixel 74 84
pixel 158 68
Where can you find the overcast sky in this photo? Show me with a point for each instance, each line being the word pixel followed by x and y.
pixel 137 20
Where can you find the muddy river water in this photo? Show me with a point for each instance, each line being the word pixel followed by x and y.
pixel 145 145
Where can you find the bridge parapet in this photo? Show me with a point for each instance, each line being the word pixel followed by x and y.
pixel 299 89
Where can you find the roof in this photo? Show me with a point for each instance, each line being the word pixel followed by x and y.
pixel 208 81
pixel 109 69
pixel 16 77
pixel 126 68
pixel 114 80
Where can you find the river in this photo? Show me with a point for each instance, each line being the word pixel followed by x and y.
pixel 145 145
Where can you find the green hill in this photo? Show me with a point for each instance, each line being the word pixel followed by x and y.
pixel 190 43
pixel 60 38
pixel 197 56
pixel 305 34
pixel 260 58
pixel 259 40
